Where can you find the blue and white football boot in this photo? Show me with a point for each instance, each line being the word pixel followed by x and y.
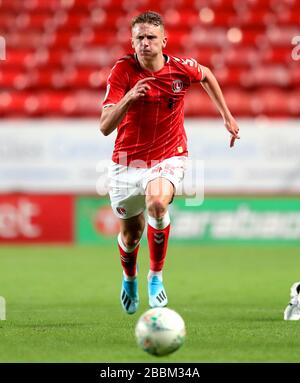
pixel 157 293
pixel 129 295
pixel 292 311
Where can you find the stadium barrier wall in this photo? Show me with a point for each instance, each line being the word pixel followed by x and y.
pixel 217 220
pixel 70 219
pixel 32 218
pixel 63 156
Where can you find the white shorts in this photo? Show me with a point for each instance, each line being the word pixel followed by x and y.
pixel 127 184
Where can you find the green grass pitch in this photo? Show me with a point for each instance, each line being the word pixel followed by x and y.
pixel 63 304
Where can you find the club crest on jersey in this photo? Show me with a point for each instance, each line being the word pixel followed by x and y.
pixel 121 210
pixel 177 86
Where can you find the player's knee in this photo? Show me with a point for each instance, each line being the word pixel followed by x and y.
pixel 132 238
pixel 131 241
pixel 156 208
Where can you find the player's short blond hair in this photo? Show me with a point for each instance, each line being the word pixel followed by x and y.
pixel 148 17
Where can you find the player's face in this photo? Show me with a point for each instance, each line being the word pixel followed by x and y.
pixel 148 40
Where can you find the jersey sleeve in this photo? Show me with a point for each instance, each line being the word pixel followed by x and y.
pixel 194 70
pixel 116 87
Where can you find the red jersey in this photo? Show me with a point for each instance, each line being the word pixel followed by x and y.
pixel 152 129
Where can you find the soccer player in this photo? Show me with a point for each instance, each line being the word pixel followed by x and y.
pixel 292 311
pixel 144 101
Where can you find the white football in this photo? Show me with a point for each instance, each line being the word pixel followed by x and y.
pixel 160 331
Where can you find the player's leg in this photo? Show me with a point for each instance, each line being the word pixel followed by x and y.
pixel 131 230
pixel 128 204
pixel 159 194
pixel 292 311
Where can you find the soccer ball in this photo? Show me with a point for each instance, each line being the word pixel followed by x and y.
pixel 160 331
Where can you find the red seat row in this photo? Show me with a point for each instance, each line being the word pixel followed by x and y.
pixel 59 52
pixel 269 102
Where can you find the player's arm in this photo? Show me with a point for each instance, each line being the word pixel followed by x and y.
pixel 112 115
pixel 212 87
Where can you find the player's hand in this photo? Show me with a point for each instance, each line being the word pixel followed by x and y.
pixel 140 89
pixel 232 127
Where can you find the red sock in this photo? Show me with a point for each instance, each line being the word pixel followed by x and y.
pixel 128 258
pixel 158 243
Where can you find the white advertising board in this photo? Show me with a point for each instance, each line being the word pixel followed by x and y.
pixel 71 156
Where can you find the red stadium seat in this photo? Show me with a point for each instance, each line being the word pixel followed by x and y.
pixel 271 102
pixel 261 76
pixel 238 101
pixel 241 56
pixel 17 58
pixel 228 77
pixel 11 78
pixel 7 19
pixel 198 104
pixel 84 77
pixel 293 104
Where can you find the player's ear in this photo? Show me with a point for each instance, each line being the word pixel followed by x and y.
pixel 165 40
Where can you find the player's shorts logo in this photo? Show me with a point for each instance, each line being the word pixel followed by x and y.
pixel 177 86
pixel 121 210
